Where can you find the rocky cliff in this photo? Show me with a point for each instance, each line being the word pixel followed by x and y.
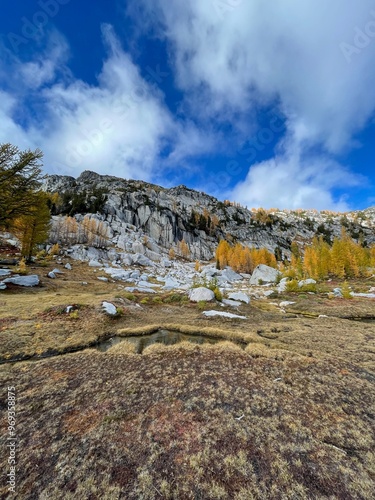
pixel 135 210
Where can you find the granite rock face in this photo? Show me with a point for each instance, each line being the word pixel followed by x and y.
pixel 148 220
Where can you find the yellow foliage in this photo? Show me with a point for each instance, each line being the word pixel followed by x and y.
pixel 345 258
pixel 242 259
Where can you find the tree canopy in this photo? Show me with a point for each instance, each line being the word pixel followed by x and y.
pixel 20 179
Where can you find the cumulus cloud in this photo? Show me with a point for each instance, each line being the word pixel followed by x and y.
pixel 118 126
pixel 313 58
pixel 293 179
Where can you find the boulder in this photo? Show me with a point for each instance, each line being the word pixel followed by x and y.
pixel 31 280
pixel 142 260
pixel 170 283
pixel 231 303
pixel 4 272
pixel 242 297
pixel 201 294
pixel 68 266
pixel 117 273
pixel 230 276
pixel 282 285
pixel 265 274
pixel 95 263
pixel 2 286
pixel 338 293
pixel 57 271
pixel 51 275
pixel 109 308
pixel 166 262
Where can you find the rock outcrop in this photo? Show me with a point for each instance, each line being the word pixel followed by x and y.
pixel 148 220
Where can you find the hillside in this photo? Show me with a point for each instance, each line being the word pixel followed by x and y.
pixel 134 209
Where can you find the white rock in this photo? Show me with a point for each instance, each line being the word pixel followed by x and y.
pixel 117 274
pixel 366 295
pixel 337 293
pixel 171 284
pixel 68 266
pixel 2 286
pixel 4 272
pixel 231 303
pixel 229 275
pixel 109 308
pixel 51 275
pixel 286 303
pixel 264 273
pixel 135 274
pixel 201 294
pixel 138 247
pixel 103 278
pixel 309 281
pixel 211 314
pixel 31 280
pixel 57 271
pixel 142 260
pixel 268 293
pixel 95 263
pixel 242 297
pixel 166 263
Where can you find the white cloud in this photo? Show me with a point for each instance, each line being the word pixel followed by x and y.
pixel 235 56
pixel 118 126
pixel 292 180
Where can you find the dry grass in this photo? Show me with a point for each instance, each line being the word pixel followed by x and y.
pixel 290 417
pixel 193 422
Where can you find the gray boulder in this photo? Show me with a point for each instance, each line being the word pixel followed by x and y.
pixel 51 275
pixel 230 276
pixel 2 286
pixel 265 274
pixel 242 297
pixel 4 272
pixel 142 260
pixel 31 280
pixel 95 263
pixel 201 294
pixel 109 308
pixel 68 266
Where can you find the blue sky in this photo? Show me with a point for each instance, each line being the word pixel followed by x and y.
pixel 267 103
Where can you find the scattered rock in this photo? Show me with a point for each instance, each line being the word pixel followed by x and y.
pixel 306 282
pixel 103 278
pixel 211 314
pixel 95 263
pixel 142 260
pixel 281 287
pixel 264 274
pixel 231 303
pixel 201 294
pixel 171 284
pixel 229 275
pixel 57 271
pixel 31 280
pixel 68 266
pixel 242 297
pixel 337 292
pixel 286 303
pixel 109 308
pixel 51 275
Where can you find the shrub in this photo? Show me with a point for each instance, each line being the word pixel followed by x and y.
pixel 202 304
pixel 346 291
pixel 55 249
pixel 292 286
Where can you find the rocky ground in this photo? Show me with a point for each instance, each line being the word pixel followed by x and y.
pixel 290 416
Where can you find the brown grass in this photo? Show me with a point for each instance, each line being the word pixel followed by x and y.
pixel 289 417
